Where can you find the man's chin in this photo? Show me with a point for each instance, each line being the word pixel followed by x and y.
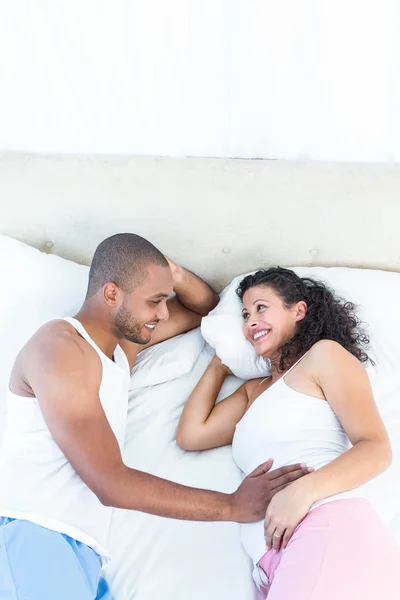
pixel 141 340
pixel 146 336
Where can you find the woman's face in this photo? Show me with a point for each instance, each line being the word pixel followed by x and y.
pixel 268 323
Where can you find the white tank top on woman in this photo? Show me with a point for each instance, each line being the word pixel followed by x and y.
pixel 290 427
pixel 37 482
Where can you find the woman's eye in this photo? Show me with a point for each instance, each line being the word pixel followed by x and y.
pixel 260 306
pixel 245 316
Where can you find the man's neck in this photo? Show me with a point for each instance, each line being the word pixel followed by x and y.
pixel 98 326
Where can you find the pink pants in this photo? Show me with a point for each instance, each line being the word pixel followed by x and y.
pixel 340 551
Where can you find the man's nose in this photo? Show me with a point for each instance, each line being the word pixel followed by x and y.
pixel 163 313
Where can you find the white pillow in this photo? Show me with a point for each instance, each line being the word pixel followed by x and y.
pixel 168 360
pixel 374 292
pixel 223 330
pixel 39 287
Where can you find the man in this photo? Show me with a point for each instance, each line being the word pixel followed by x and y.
pixel 61 470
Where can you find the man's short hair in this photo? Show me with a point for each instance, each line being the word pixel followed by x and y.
pixel 122 259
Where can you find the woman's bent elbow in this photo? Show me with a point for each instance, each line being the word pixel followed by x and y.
pixel 187 441
pixel 389 456
pixel 386 455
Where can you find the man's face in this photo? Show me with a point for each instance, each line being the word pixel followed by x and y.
pixel 142 309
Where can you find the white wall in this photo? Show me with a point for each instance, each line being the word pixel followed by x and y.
pixel 218 217
pixel 286 79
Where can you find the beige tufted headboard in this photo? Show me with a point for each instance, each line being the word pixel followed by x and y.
pixel 217 217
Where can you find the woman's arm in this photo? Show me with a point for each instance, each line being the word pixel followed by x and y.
pixel 204 424
pixel 346 386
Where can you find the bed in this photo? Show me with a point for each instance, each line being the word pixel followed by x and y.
pixel 66 205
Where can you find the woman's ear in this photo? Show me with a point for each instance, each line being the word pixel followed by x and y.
pixel 301 310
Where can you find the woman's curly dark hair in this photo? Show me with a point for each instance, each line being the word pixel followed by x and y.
pixel 328 316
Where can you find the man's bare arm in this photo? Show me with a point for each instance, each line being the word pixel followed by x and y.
pixel 65 374
pixel 194 300
pixel 193 292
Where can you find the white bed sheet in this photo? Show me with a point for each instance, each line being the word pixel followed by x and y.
pixel 165 558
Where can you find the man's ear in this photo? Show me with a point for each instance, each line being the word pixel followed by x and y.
pixel 111 294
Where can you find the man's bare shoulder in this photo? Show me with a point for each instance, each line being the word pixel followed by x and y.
pixel 55 348
pixel 58 337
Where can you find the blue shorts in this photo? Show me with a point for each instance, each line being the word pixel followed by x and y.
pixel 39 564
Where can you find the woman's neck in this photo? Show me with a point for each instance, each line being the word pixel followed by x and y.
pixel 276 372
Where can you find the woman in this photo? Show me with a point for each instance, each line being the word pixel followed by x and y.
pixel 323 540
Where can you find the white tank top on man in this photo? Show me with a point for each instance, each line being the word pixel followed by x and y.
pixel 37 482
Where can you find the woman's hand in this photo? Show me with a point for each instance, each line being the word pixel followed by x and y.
pixel 285 511
pixel 217 360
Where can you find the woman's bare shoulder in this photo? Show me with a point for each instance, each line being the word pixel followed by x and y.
pixel 326 355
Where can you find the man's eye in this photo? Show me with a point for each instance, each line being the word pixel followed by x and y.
pixel 156 301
